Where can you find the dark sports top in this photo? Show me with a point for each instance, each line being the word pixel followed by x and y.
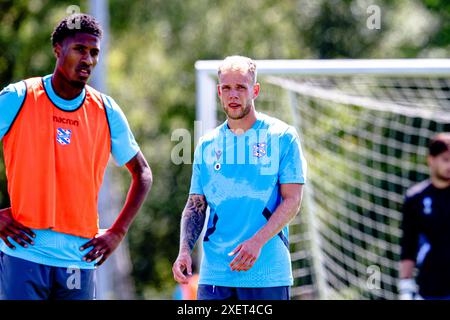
pixel 426 237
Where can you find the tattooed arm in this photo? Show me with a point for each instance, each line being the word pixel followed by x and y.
pixel 192 221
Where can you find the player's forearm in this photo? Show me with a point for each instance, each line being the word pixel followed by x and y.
pixel 407 269
pixel 140 186
pixel 192 221
pixel 284 214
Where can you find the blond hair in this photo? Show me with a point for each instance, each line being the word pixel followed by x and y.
pixel 238 63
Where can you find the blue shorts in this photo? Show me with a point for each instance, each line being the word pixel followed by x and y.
pixel 209 292
pixel 25 280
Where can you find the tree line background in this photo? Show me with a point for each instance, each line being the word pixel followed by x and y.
pixel 153 47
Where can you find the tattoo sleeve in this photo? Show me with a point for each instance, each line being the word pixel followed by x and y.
pixel 192 221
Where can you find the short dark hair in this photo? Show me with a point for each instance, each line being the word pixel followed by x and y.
pixel 440 143
pixel 73 24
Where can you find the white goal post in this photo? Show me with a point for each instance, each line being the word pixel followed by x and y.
pixel 206 75
pixel 368 116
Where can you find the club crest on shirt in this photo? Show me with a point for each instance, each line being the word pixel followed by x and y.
pixel 259 149
pixel 63 136
pixel 427 202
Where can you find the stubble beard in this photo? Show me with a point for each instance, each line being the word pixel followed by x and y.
pixel 78 84
pixel 240 115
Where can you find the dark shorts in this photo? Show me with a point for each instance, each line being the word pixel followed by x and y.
pixel 25 280
pixel 209 292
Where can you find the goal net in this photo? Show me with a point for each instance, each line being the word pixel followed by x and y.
pixel 364 127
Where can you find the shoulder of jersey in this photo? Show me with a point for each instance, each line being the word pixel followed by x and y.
pixel 32 82
pixel 273 124
pixel 210 135
pixel 418 188
pixel 20 87
pixel 92 89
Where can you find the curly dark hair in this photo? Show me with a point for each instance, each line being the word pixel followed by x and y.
pixel 73 24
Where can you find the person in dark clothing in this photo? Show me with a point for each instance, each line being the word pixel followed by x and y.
pixel 58 134
pixel 426 229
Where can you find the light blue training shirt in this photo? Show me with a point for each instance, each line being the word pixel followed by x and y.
pixel 240 177
pixel 55 248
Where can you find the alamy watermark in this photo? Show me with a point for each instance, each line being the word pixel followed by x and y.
pixel 374 19
pixel 74 279
pixel 252 147
pixel 75 22
pixel 373 281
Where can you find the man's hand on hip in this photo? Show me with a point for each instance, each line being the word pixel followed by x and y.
pixel 14 230
pixel 103 245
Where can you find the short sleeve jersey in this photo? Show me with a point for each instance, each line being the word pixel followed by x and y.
pixel 240 177
pixel 55 248
pixel 426 235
